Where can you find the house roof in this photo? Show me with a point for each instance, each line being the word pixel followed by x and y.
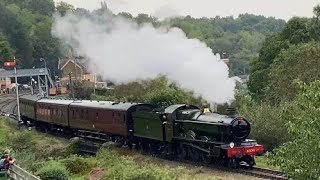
pixel 80 62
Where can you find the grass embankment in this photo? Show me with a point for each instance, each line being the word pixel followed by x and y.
pixel 54 158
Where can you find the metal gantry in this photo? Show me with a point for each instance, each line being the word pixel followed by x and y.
pixel 42 74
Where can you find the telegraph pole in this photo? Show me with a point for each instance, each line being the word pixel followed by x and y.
pixel 17 90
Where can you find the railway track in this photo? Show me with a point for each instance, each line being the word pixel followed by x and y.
pixel 263 173
pixel 8 105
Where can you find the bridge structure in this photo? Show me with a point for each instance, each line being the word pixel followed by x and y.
pixel 43 77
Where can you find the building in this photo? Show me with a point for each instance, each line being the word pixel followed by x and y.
pixel 5 83
pixel 77 69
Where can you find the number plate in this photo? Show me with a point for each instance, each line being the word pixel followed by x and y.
pixel 252 150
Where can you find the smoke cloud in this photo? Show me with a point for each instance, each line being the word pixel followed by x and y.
pixel 122 51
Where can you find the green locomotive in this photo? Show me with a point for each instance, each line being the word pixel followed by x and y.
pixel 196 134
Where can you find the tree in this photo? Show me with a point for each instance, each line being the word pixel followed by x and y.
pixel 44 7
pixel 125 15
pixel 316 12
pixel 260 68
pixel 156 91
pixel 63 8
pixel 6 52
pixel 299 158
pixel 17 35
pixel 298 62
pixel 296 31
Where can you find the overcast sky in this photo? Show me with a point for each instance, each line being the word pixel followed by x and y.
pixel 283 9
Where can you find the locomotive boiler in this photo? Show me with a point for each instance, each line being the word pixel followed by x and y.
pixel 202 124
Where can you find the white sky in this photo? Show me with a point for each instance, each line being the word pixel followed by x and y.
pixel 284 9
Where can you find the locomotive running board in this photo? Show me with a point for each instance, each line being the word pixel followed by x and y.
pixel 197 147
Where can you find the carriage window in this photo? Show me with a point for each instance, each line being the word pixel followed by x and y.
pixel 97 115
pixel 87 114
pixel 61 112
pixel 124 118
pixel 73 113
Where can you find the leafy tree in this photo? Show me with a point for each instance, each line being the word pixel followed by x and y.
pixel 6 52
pixel 80 90
pixel 316 12
pixel 44 7
pixel 296 31
pixel 125 15
pixel 63 8
pixel 297 62
pixel 300 157
pixel 17 35
pixel 156 91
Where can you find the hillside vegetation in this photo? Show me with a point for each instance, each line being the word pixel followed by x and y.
pixel 25 32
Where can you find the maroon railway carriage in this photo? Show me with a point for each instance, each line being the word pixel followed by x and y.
pixel 105 117
pixel 53 112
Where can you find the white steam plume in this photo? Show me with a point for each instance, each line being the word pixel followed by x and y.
pixel 122 51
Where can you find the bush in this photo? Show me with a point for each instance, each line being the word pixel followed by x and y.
pixel 53 171
pixel 127 168
pixel 155 91
pixel 108 157
pixel 299 158
pixel 78 165
pixel 264 118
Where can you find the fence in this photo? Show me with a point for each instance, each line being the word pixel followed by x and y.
pixel 17 173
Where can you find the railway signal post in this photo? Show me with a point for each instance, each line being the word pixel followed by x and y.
pixel 13 64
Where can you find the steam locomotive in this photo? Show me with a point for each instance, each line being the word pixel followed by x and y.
pixel 183 131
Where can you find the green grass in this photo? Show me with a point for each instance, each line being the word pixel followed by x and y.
pixel 262 162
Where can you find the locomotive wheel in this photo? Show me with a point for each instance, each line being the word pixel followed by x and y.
pixel 194 154
pixel 141 148
pixel 250 161
pixel 206 159
pixel 232 163
pixel 182 152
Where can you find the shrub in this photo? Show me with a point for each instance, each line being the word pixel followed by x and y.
pixel 53 171
pixel 78 165
pixel 264 117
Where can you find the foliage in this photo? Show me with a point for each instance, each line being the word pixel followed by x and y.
pixel 264 117
pixel 298 62
pixel 300 157
pixel 283 46
pixel 63 8
pixel 53 171
pixel 125 168
pixel 78 165
pixel 6 52
pixel 27 26
pixel 82 90
pixel 156 91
